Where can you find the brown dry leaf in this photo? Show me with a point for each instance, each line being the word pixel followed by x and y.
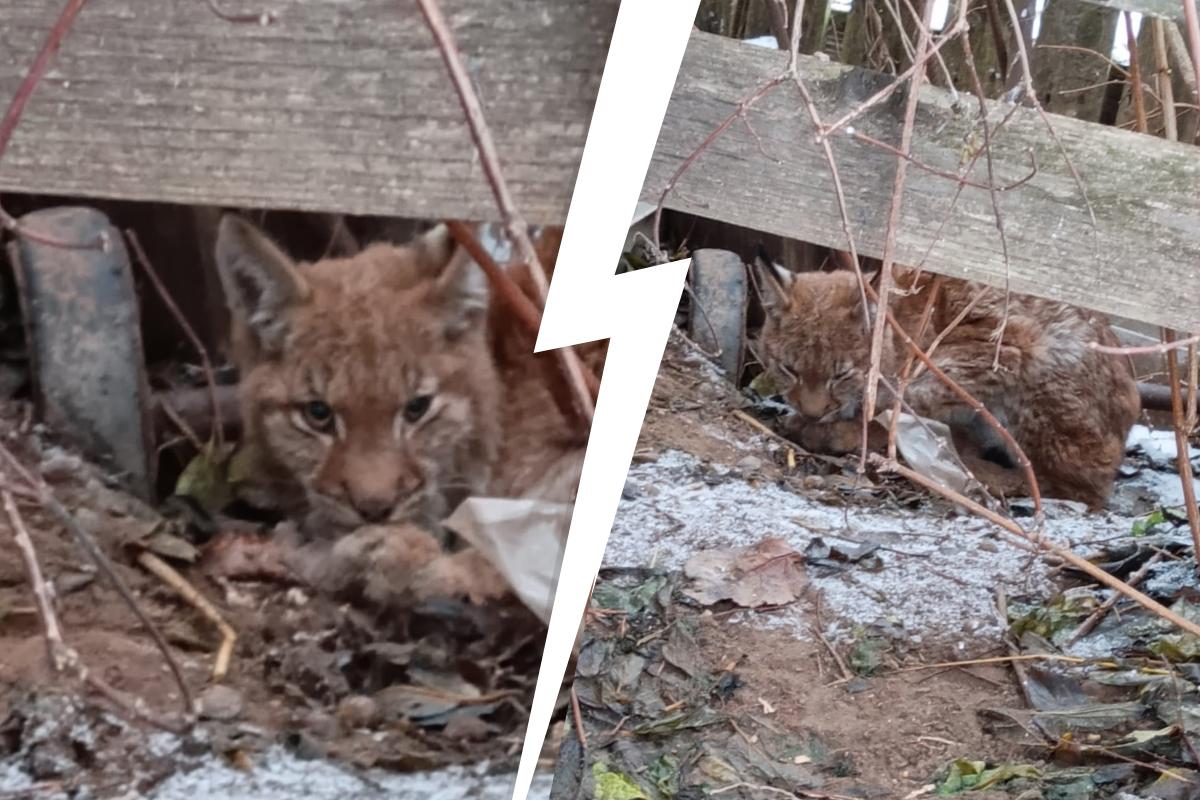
pixel 768 573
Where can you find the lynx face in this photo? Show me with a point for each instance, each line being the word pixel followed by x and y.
pixel 366 381
pixel 815 342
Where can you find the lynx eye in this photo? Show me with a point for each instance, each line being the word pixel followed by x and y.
pixel 842 374
pixel 417 407
pixel 317 414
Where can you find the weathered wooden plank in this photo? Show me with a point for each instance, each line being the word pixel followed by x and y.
pixel 1141 261
pixel 337 106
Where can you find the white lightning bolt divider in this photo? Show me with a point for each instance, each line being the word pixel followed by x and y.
pixel 588 301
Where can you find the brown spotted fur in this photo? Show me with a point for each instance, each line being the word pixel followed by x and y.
pixel 366 335
pixel 1069 407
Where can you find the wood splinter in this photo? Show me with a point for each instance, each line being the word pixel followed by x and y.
pixel 168 575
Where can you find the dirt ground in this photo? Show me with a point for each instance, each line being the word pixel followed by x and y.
pixel 703 478
pixel 323 698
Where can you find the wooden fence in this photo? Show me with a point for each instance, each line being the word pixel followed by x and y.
pixel 335 107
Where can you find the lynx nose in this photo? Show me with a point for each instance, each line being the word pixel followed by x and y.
pixel 373 509
pixel 812 403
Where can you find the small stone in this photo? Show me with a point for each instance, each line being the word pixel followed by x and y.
pixel 468 729
pixel 89 520
pixel 631 491
pixel 59 465
pixel 50 760
pixel 814 482
pixel 988 547
pixel 220 702
pixel 750 464
pixel 296 597
pixel 321 725
pixel 357 711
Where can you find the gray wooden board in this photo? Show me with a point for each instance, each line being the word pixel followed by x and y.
pixel 338 106
pixel 1140 261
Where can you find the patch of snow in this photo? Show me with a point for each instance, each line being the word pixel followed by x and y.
pixel 279 775
pixel 940 570
pixel 1158 445
pixel 763 41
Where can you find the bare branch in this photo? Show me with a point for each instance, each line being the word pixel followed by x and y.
pixel 516 227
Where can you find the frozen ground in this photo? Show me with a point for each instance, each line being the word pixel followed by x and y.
pixel 282 776
pixel 941 568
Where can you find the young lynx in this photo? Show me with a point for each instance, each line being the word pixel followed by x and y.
pixel 1068 406
pixel 372 394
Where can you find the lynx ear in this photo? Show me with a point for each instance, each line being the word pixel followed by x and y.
pixel 261 283
pixel 434 248
pixel 462 292
pixel 774 285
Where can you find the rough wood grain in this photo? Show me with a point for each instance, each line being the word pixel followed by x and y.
pixel 1142 262
pixel 338 106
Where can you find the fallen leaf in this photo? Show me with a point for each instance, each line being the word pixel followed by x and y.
pixel 615 786
pixel 768 573
pixel 206 479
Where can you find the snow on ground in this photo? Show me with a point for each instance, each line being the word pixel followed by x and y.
pixel 940 571
pixel 282 776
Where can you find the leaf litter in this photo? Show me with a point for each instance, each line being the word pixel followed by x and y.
pixel 327 697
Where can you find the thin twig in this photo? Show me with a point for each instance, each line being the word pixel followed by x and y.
pixel 516 228
pixel 1094 619
pixel 16 107
pixel 1182 462
pixel 886 277
pixel 1164 347
pixel 61 655
pixel 847 675
pixel 859 136
pixel 1135 74
pixel 41 590
pixel 1076 561
pixel 577 714
pixel 739 112
pixel 102 562
pixel 168 575
pixel 210 375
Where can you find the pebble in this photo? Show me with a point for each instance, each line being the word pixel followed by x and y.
pixel 59 465
pixel 357 711
pixel 220 702
pixel 750 464
pixel 321 725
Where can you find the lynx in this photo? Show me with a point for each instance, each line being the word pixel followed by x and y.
pixel 1068 406
pixel 377 395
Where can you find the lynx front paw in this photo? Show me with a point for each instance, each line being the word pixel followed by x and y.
pixel 833 438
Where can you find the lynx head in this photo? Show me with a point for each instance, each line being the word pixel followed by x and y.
pixel 814 340
pixel 367 381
